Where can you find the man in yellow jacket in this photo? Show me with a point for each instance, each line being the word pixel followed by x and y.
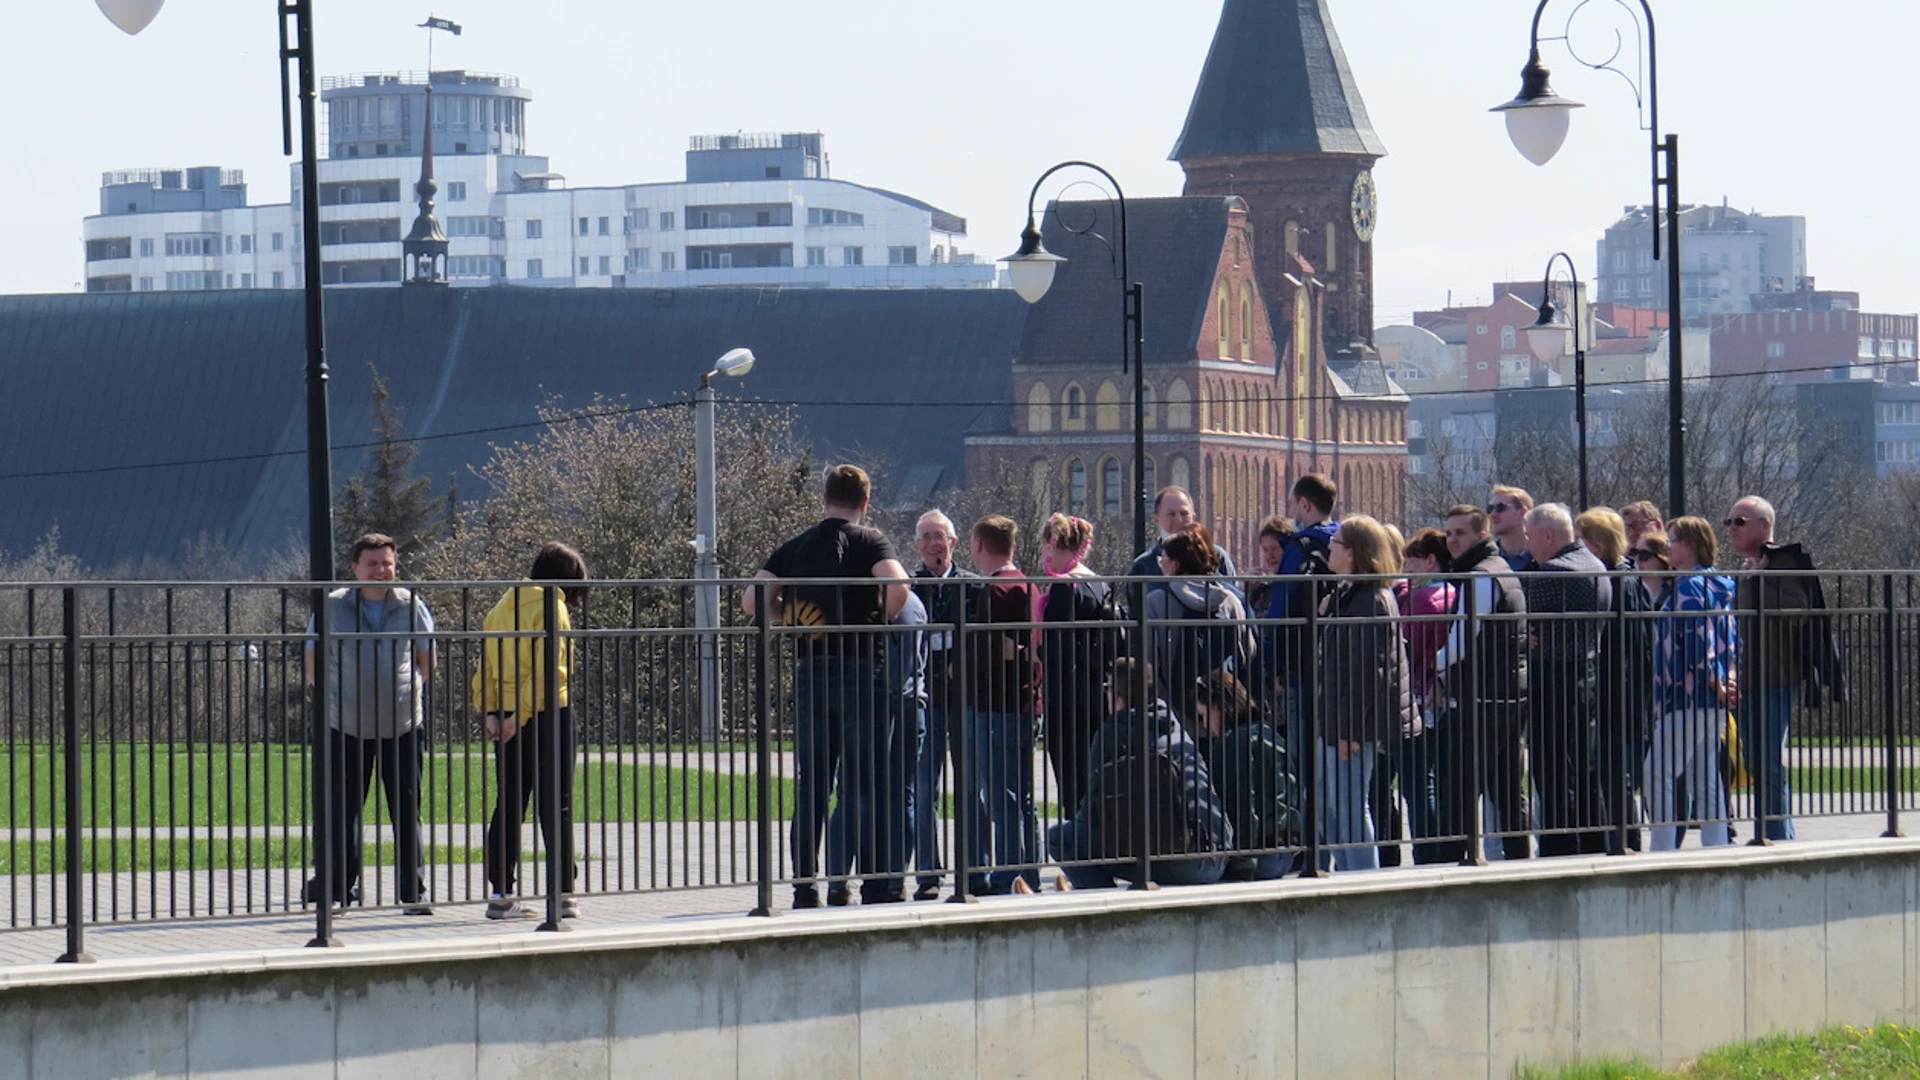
pixel 510 690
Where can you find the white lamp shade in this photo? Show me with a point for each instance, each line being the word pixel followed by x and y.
pixel 1547 341
pixel 736 362
pixel 131 16
pixel 1539 129
pixel 1032 275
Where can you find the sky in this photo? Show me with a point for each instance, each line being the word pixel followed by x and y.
pixel 1781 106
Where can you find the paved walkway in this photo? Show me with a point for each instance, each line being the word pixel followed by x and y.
pixel 196 923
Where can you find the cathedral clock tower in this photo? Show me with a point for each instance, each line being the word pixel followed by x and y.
pixel 1278 121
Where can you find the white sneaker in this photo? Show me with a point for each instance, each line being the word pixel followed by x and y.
pixel 509 907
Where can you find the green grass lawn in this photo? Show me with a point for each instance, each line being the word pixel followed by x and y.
pixel 1882 1052
pixel 142 785
pixel 1807 780
pixel 50 857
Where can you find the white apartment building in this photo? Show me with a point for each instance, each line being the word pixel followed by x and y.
pixel 1727 257
pixel 754 210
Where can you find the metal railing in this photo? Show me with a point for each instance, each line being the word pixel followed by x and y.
pixel 166 759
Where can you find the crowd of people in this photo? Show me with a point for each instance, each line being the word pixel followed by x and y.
pixel 1555 683
pixel 1558 682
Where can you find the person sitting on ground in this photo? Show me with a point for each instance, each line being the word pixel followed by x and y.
pixel 1187 827
pixel 1253 775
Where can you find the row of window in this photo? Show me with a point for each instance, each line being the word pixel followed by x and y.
pixel 197 245
pixel 1110 495
pixel 1897 451
pixel 1223 316
pixel 1897 412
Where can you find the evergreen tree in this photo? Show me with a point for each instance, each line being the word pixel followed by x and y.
pixel 386 496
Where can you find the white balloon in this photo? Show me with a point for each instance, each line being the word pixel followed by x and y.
pixel 131 16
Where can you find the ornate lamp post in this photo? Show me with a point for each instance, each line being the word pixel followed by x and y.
pixel 1537 121
pixel 1548 340
pixel 1031 270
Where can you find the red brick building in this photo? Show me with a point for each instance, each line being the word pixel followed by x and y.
pixel 1258 300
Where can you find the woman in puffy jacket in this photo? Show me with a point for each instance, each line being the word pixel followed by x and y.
pixel 1366 692
pixel 510 689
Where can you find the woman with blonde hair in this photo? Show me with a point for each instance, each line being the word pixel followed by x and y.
pixel 1626 670
pixel 1366 692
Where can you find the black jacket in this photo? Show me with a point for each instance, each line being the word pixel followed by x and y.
pixel 1501 644
pixel 1366 691
pixel 1787 638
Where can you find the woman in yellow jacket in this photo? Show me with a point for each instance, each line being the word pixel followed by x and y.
pixel 510 689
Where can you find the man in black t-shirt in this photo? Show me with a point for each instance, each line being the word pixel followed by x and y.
pixel 841 722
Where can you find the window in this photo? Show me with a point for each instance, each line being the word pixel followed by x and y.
pixel 818 216
pixel 816 256
pixel 229 245
pixel 476 225
pixel 1509 339
pixel 477 266
pixel 668 260
pixel 583 226
pixel 903 256
pixel 606 265
pixel 146 248
pixel 1866 348
pixel 536 268
pixel 605 225
pixel 1076 403
pixel 279 241
pixel 1776 350
pixel 637 221
pixel 1619 260
pixel 533 229
pixel 246 244
pixel 146 284
pixel 773 172
pixel 193 279
pixel 1076 486
pixel 639 259
pixel 456 191
pixel 1481 330
pixel 853 256
pixel 1646 286
pixel 279 279
pixel 193 244
pixel 120 248
pixel 246 281
pixel 666 223
pixel 1110 487
pixel 585 263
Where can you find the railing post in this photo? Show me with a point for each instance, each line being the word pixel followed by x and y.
pixel 1889 689
pixel 1617 753
pixel 960 692
pixel 560 844
pixel 1141 694
pixel 1474 738
pixel 763 750
pixel 1309 660
pixel 1755 672
pixel 70 705
pixel 322 773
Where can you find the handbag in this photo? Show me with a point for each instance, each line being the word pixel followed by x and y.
pixel 1733 757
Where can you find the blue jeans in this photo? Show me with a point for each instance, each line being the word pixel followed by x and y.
pixel 923 800
pixel 1343 808
pixel 883 821
pixel 1002 829
pixel 840 732
pixel 1765 740
pixel 1073 841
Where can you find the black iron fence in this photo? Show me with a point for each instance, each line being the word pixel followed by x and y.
pixel 168 758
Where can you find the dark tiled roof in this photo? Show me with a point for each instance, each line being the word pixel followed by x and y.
pixel 1174 251
pixel 108 380
pixel 1276 82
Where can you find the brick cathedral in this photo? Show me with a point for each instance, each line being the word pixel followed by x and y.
pixel 1258 301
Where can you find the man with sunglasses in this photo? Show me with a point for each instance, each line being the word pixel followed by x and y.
pixel 1792 649
pixel 1507 511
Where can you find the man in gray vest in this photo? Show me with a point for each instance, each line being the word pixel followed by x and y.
pixel 377 667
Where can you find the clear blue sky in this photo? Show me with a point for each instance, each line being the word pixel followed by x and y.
pixel 1781 105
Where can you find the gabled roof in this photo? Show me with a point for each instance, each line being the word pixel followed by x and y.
pixel 1174 248
pixel 1276 82
pixel 213 383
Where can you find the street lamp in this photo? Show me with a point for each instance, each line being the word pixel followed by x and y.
pixel 1030 270
pixel 706 565
pixel 1537 121
pixel 133 16
pixel 1548 340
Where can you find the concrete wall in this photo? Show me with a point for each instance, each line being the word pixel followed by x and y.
pixel 1417 973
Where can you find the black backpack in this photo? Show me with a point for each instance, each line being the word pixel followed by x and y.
pixel 1116 795
pixel 1258 785
pixel 1316 581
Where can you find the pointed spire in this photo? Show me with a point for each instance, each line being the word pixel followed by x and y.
pixel 1276 82
pixel 424 250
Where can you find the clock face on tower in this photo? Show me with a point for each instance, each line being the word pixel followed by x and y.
pixel 1365 205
